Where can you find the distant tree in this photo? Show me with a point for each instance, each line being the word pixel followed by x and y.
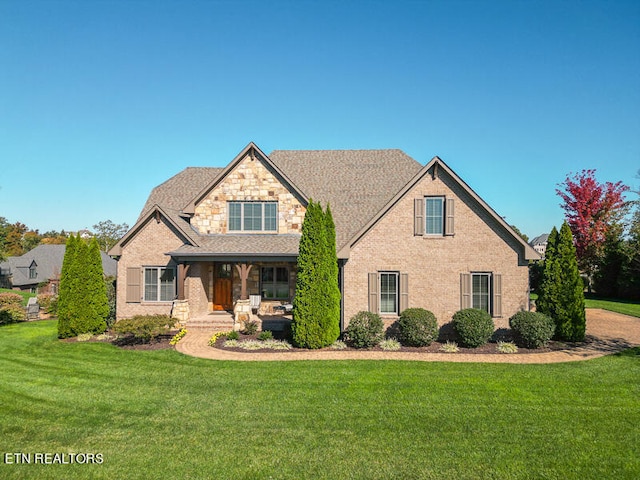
pixel 31 240
pixel 590 208
pixel 13 240
pixel 561 294
pixel 54 238
pixel 108 233
pixel 608 277
pixel 522 235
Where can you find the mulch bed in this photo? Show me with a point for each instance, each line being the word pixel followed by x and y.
pixel 161 342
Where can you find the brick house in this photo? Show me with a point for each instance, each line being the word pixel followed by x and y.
pixel 213 239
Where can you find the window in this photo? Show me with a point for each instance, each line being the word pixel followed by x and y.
pixel 159 284
pixel 33 273
pixel 275 282
pixel 481 291
pixel 434 215
pixel 388 293
pixel 253 216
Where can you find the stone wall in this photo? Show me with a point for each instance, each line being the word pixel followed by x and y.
pixel 250 180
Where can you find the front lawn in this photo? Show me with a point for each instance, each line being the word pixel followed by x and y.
pixel 628 307
pixel 159 414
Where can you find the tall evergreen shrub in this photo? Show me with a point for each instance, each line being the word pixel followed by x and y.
pixel 96 291
pixel 561 295
pixel 332 316
pixel 65 300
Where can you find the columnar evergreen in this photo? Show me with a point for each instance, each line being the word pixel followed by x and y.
pixel 316 306
pixel 562 290
pixel 65 300
pixel 82 304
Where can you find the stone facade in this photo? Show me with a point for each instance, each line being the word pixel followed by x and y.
pixel 434 264
pixel 250 180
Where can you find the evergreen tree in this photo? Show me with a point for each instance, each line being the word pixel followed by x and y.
pixel 332 316
pixel 65 301
pixel 608 277
pixel 571 321
pixel 81 309
pixel 96 291
pixel 308 304
pixel 547 292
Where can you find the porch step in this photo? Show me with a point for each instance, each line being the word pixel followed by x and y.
pixel 222 321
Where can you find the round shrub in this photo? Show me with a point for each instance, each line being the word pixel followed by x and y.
pixel 8 298
pixel 418 327
pixel 532 329
pixel 474 327
pixel 12 313
pixel 365 330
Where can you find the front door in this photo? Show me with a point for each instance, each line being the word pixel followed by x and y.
pixel 222 291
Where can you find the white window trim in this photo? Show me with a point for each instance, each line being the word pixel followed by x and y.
pixel 442 219
pixel 397 302
pixel 158 269
pixel 263 217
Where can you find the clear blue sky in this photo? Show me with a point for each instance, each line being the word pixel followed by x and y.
pixel 100 101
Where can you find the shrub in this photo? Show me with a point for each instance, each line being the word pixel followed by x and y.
pixel 474 327
pixel 532 329
pixel 389 345
pixel 365 330
pixel 233 335
pixel 250 327
pixel 507 347
pixel 266 335
pixel 338 345
pixel 178 336
pixel 12 313
pixel 449 347
pixel 417 327
pixel 48 303
pixel 145 327
pixel 8 298
pixel 84 337
pixel 214 338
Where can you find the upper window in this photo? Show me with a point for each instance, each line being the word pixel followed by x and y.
pixel 434 215
pixel 159 284
pixel 481 291
pixel 33 273
pixel 275 282
pixel 389 293
pixel 253 216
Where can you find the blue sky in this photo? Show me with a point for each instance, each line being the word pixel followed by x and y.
pixel 100 101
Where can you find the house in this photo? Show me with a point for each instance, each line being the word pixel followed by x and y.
pixel 38 270
pixel 407 235
pixel 539 244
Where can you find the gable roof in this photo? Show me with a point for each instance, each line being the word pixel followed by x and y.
pixel 540 239
pixel 527 252
pixel 357 183
pixel 48 261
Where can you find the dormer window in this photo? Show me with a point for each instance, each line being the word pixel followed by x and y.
pixel 33 272
pixel 253 216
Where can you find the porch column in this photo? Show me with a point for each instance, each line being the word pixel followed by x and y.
pixel 183 270
pixel 243 271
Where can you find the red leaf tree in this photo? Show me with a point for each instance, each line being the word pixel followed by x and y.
pixel 590 209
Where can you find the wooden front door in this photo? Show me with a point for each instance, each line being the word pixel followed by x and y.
pixel 222 288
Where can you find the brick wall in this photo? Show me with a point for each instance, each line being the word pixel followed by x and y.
pixel 434 265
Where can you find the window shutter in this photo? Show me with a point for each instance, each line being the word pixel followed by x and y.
pixel 404 292
pixel 133 285
pixel 418 216
pixel 497 295
pixel 373 292
pixel 465 290
pixel 448 224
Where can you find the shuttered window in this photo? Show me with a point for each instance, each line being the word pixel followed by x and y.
pixel 388 292
pixel 133 285
pixel 433 216
pixel 159 284
pixel 482 290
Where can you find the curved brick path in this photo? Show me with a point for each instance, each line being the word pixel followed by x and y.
pixel 613 331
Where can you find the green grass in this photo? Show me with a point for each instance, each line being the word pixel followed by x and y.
pixel 164 415
pixel 628 307
pixel 25 295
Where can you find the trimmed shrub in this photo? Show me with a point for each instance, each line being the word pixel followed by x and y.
pixel 233 335
pixel 417 327
pixel 365 330
pixel 8 298
pixel 145 327
pixel 265 335
pixel 12 313
pixel 48 303
pixel 474 327
pixel 532 329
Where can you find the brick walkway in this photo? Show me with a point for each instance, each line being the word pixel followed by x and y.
pixel 613 331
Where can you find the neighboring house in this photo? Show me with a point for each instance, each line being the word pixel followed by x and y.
pixel 407 236
pixel 539 244
pixel 38 270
